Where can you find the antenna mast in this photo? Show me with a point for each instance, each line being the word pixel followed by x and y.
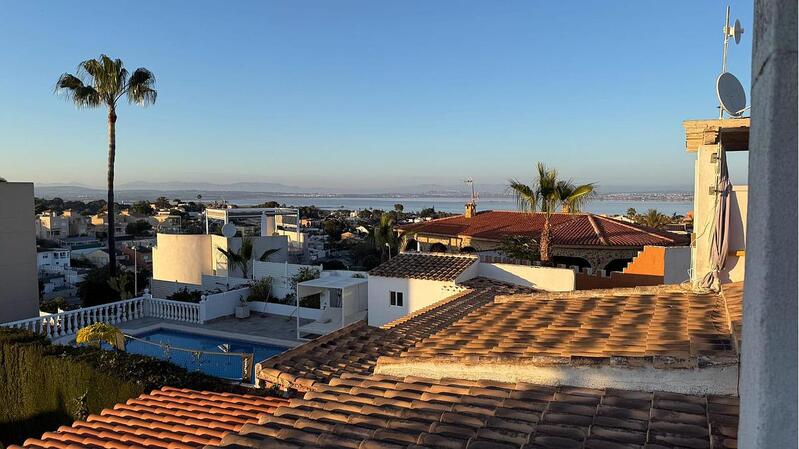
pixel 473 199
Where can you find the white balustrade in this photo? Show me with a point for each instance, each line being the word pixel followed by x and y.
pixel 68 323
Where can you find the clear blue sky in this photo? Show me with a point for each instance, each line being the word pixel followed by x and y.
pixel 365 94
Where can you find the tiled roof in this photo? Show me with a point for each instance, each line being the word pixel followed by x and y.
pixel 349 406
pixel 567 229
pixel 356 348
pixel 659 322
pixel 167 418
pixel 432 267
pixel 733 294
pixel 380 412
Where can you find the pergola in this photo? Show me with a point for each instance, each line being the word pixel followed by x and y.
pixel 343 301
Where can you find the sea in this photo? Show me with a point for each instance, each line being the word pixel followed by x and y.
pixel 455 205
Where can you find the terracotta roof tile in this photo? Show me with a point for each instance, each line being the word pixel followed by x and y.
pixel 567 229
pixel 357 347
pixel 424 266
pixel 640 322
pixel 453 413
pixel 166 418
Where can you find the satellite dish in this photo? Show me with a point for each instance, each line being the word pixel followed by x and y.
pixel 731 94
pixel 737 31
pixel 229 230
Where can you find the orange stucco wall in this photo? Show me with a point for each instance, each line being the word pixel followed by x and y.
pixel 651 261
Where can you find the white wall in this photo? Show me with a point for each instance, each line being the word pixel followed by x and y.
pixel 676 264
pixel 418 293
pixel 223 304
pixel 280 274
pixel 542 278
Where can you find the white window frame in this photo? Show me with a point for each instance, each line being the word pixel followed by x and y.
pixel 396 299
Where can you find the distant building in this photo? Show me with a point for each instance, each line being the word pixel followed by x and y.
pixel 580 239
pixel 52 260
pixel 19 290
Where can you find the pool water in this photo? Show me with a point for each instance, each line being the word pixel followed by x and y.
pixel 191 351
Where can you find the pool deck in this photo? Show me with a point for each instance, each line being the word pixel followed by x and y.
pixel 270 329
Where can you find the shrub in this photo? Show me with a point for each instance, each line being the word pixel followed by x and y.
pixel 53 305
pixel 41 384
pixel 184 295
pixel 261 290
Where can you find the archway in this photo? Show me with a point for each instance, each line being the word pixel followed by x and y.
pixel 570 261
pixel 411 245
pixel 617 265
pixel 438 248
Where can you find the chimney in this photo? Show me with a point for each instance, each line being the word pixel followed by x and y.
pixel 471 209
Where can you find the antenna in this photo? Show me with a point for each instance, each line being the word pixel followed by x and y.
pixel 728 88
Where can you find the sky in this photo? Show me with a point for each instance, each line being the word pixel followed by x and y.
pixel 367 95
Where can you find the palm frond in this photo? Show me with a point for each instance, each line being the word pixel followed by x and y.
pixel 73 89
pixel 140 87
pixel 526 197
pixel 579 197
pixel 265 256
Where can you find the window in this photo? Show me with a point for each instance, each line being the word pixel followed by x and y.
pixel 396 299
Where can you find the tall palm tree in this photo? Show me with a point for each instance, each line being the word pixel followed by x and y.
pixel 547 194
pixel 103 82
pixel 244 256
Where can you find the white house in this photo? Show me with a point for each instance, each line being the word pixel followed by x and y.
pixel 54 260
pixel 412 281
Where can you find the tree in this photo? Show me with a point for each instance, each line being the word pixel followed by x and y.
pixel 162 202
pixel 428 212
pixel 97 333
pixel 244 256
pixel 382 236
pixel 653 219
pixel 139 227
pixel 399 207
pixel 631 213
pixel 334 229
pixel 547 194
pixel 103 82
pixel 142 208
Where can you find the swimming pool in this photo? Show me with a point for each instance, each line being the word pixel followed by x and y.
pixel 197 352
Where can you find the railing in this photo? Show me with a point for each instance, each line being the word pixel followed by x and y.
pixel 68 323
pixel 173 310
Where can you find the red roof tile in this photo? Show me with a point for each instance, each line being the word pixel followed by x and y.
pixel 168 418
pixel 567 229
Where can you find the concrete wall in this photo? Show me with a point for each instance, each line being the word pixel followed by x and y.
pixel 281 274
pixel 223 304
pixel 19 295
pixel 735 265
pixel 677 264
pixel 182 257
pixel 768 360
pixel 418 293
pixel 542 278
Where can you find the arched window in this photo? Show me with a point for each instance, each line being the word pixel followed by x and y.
pixel 468 250
pixel 438 248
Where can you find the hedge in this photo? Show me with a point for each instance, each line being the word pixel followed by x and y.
pixel 40 382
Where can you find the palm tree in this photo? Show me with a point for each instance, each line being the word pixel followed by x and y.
pixel 244 256
pixel 103 82
pixel 97 333
pixel 382 235
pixel 653 219
pixel 547 194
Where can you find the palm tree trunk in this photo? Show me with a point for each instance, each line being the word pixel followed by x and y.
pixel 112 150
pixel 546 235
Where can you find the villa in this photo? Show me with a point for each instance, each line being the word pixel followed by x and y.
pixel 579 239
